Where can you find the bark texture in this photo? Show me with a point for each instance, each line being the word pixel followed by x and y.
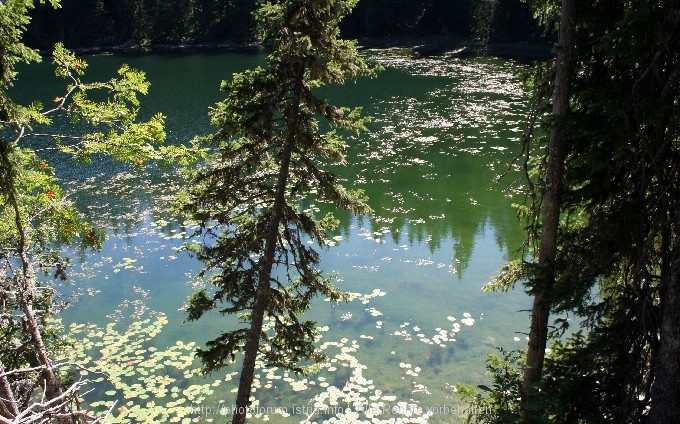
pixel 266 265
pixel 540 311
pixel 665 392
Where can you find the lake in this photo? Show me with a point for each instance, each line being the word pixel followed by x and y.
pixel 443 130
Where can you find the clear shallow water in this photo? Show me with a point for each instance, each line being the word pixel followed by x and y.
pixel 443 129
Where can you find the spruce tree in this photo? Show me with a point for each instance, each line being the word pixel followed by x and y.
pixel 268 157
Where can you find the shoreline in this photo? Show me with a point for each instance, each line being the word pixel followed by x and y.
pixel 428 46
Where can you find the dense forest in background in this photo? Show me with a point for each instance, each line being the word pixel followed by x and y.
pixel 90 23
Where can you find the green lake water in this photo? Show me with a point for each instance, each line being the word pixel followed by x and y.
pixel 443 130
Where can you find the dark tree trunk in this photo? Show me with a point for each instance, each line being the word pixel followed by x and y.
pixel 551 205
pixel 665 392
pixel 264 274
pixel 261 297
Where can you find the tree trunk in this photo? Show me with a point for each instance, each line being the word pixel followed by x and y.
pixel 261 296
pixel 551 205
pixel 665 392
pixel 265 271
pixel 8 404
pixel 25 291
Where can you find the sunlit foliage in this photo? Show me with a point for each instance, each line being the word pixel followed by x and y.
pixel 36 215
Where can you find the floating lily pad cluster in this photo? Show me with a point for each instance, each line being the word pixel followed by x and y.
pixel 140 381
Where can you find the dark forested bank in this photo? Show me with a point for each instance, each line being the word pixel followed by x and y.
pixel 88 23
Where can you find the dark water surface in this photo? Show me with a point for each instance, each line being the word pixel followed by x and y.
pixel 443 129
